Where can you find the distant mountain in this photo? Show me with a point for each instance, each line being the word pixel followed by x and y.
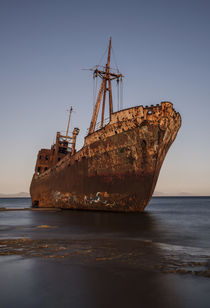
pixel 159 193
pixel 180 194
pixel 17 195
pixel 184 193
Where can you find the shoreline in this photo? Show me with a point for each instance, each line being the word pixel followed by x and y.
pixel 88 251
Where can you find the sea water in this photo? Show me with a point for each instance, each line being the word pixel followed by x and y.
pixel 111 259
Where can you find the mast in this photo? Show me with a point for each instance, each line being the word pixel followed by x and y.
pixel 96 108
pixel 65 143
pixel 67 130
pixel 107 76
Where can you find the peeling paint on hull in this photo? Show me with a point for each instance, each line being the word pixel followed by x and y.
pixel 118 166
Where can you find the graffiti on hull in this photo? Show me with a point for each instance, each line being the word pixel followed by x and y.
pixel 93 199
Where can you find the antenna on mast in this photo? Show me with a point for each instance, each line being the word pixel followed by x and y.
pixel 67 130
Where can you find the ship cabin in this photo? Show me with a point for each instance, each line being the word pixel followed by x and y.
pixel 65 145
pixel 44 159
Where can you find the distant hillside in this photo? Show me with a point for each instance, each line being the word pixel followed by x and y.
pixel 180 194
pixel 17 195
pixel 161 194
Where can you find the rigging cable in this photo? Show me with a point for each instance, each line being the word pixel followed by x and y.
pixel 94 90
pixel 121 93
pixel 118 95
pixel 120 84
pixel 103 56
pixel 95 83
pixel 118 89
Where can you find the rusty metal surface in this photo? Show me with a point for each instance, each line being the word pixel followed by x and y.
pixel 118 166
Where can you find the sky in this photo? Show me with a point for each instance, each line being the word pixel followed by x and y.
pixel 162 48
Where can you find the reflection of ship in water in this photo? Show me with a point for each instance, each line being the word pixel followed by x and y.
pixel 119 164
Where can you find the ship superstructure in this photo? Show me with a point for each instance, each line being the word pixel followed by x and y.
pixel 64 145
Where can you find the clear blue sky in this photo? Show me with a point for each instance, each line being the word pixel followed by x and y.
pixel 162 48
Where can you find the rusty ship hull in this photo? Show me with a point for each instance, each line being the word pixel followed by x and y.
pixel 118 166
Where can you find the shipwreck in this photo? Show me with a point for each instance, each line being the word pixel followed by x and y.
pixel 118 166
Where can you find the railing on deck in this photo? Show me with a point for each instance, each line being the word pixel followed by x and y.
pixel 98 125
